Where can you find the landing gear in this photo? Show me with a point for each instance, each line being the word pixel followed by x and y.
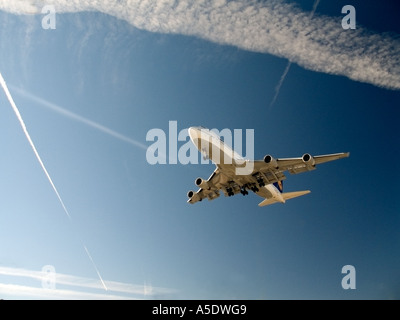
pixel 254 189
pixel 230 192
pixel 260 182
pixel 243 191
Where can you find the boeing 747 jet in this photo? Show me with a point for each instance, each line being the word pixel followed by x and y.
pixel 234 174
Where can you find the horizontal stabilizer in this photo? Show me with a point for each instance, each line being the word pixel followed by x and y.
pixel 267 202
pixel 286 196
pixel 291 195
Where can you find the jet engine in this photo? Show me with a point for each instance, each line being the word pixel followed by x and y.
pixel 204 184
pixel 308 160
pixel 271 161
pixel 193 197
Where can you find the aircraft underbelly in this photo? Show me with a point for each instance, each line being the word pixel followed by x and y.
pixel 264 193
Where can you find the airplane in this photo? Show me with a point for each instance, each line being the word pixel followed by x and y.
pixel 263 177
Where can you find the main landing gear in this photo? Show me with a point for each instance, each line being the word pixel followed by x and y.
pixel 254 188
pixel 230 192
pixel 260 182
pixel 243 190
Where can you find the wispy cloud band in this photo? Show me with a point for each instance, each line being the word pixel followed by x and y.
pixel 76 287
pixel 273 27
pixel 285 72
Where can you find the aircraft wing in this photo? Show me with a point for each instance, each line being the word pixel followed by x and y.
pixel 296 165
pixel 263 173
pixel 211 193
pixel 227 182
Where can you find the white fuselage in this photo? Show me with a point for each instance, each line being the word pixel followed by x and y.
pixel 275 193
pixel 212 147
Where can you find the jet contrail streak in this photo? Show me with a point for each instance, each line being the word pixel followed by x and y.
pixel 315 5
pixel 78 118
pixel 279 85
pixel 21 121
pixel 97 270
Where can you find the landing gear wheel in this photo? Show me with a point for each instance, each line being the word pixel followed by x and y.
pixel 230 192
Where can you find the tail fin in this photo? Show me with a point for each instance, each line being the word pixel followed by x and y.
pixel 286 196
pixel 279 186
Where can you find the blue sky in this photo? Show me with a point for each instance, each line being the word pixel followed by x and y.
pixel 90 90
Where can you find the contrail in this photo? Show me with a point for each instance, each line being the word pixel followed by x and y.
pixel 21 121
pixel 316 3
pixel 78 118
pixel 279 85
pixel 85 121
pixel 80 287
pixel 97 270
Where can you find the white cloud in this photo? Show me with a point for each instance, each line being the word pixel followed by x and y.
pixel 27 292
pixel 83 288
pixel 273 27
pixel 19 7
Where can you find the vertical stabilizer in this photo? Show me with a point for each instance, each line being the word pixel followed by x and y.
pixel 279 186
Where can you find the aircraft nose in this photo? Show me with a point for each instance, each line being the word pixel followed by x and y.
pixel 194 132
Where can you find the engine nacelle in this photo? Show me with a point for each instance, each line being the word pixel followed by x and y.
pixel 271 161
pixel 204 184
pixel 193 197
pixel 308 160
